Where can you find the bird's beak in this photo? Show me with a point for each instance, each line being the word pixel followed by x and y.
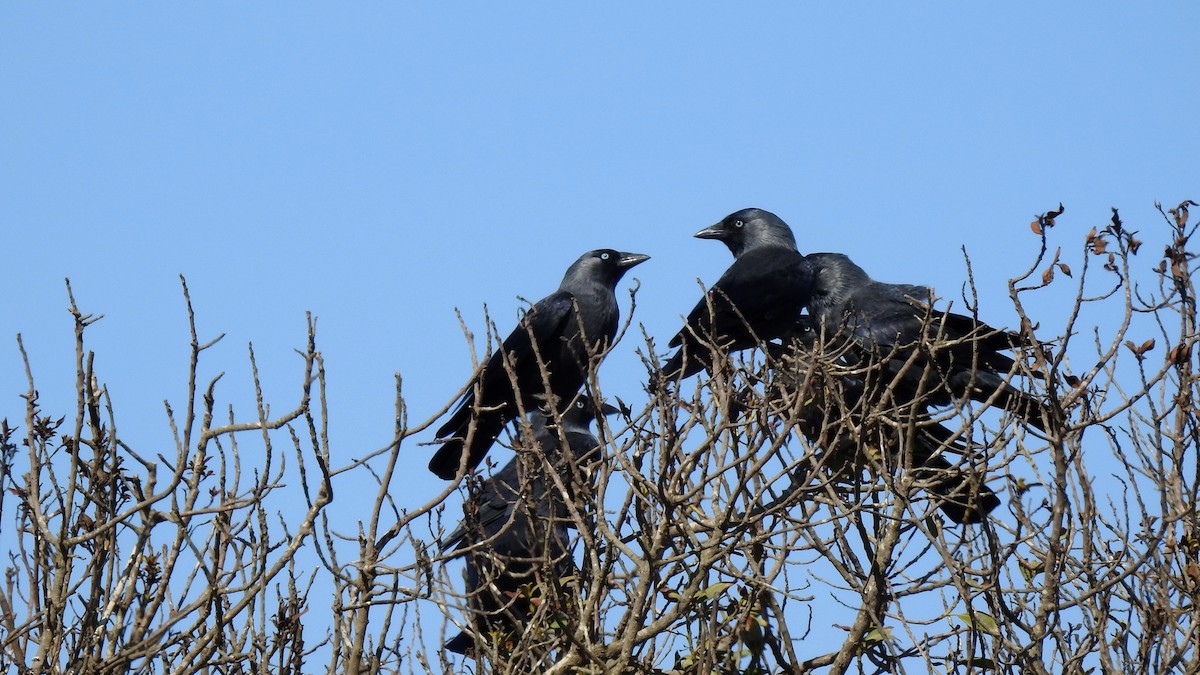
pixel 711 232
pixel 606 409
pixel 628 260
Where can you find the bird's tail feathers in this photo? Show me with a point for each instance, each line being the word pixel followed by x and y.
pixel 961 493
pixel 462 643
pixel 984 386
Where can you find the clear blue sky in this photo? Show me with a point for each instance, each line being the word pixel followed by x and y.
pixel 382 164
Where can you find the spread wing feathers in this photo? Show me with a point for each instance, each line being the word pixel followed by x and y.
pixel 836 416
pixel 970 354
pixel 895 314
pixel 962 495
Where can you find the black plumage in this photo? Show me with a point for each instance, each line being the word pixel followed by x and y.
pixel 884 323
pixel 758 298
pixel 514 529
pixel 843 409
pixel 564 331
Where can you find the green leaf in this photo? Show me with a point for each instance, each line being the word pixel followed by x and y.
pixel 713 591
pixel 878 635
pixel 980 621
pixel 983 664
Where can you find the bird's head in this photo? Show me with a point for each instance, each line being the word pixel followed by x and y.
pixel 583 411
pixel 578 414
pixel 604 265
pixel 750 228
pixel 835 279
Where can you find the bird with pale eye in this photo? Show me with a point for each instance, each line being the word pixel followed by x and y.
pixel 759 298
pixel 566 331
pixel 515 524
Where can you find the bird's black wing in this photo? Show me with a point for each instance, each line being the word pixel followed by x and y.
pixel 493 504
pixel 540 332
pixel 832 418
pixel 544 325
pixel 884 317
pixel 758 298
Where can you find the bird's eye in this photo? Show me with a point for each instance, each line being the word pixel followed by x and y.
pixel 604 256
pixel 738 224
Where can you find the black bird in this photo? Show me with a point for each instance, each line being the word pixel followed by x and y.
pixel 565 330
pixel 837 411
pixel 760 296
pixel 515 525
pixel 495 501
pixel 882 323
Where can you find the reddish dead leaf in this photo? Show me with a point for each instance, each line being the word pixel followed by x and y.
pixel 1046 221
pixel 1181 213
pixel 1099 245
pixel 1140 350
pixel 1065 270
pixel 1048 275
pixel 1027 326
pixel 1039 360
pixel 1091 235
pixel 1181 354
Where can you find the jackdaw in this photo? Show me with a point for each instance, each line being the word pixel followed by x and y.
pixel 760 296
pixel 836 407
pixel 514 529
pixel 564 332
pixel 883 324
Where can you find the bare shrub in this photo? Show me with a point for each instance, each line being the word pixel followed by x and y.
pixel 759 520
